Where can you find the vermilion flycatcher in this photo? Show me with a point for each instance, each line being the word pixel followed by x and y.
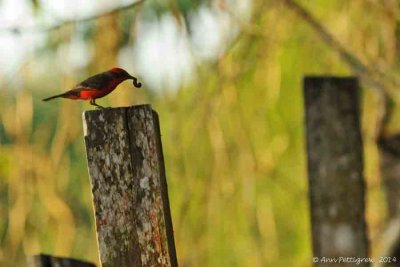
pixel 98 86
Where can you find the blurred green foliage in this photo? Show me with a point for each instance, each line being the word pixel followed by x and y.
pixel 233 138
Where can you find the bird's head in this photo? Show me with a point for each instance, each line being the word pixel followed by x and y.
pixel 121 73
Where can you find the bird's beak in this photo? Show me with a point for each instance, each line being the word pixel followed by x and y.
pixel 136 83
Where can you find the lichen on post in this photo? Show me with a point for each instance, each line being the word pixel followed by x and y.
pixel 130 197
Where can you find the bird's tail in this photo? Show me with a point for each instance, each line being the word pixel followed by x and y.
pixel 52 97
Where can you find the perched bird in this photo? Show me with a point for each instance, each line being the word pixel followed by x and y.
pixel 98 86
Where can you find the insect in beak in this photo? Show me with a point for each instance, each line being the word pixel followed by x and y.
pixel 136 83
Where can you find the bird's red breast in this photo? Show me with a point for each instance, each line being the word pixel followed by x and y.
pixel 86 93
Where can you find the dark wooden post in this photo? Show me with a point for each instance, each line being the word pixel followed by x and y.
pixel 43 260
pixel 335 168
pixel 130 196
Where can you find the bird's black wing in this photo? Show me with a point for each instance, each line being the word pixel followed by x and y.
pixel 96 82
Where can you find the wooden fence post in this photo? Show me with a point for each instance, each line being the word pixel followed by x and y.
pixel 126 168
pixel 335 168
pixel 43 260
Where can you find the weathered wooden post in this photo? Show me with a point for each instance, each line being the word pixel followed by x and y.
pixel 335 167
pixel 43 260
pixel 130 196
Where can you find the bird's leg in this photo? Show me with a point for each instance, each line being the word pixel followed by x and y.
pixel 93 103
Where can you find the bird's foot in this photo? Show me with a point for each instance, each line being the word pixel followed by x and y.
pixel 93 103
pixel 101 107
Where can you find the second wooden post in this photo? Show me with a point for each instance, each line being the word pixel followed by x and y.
pixel 335 168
